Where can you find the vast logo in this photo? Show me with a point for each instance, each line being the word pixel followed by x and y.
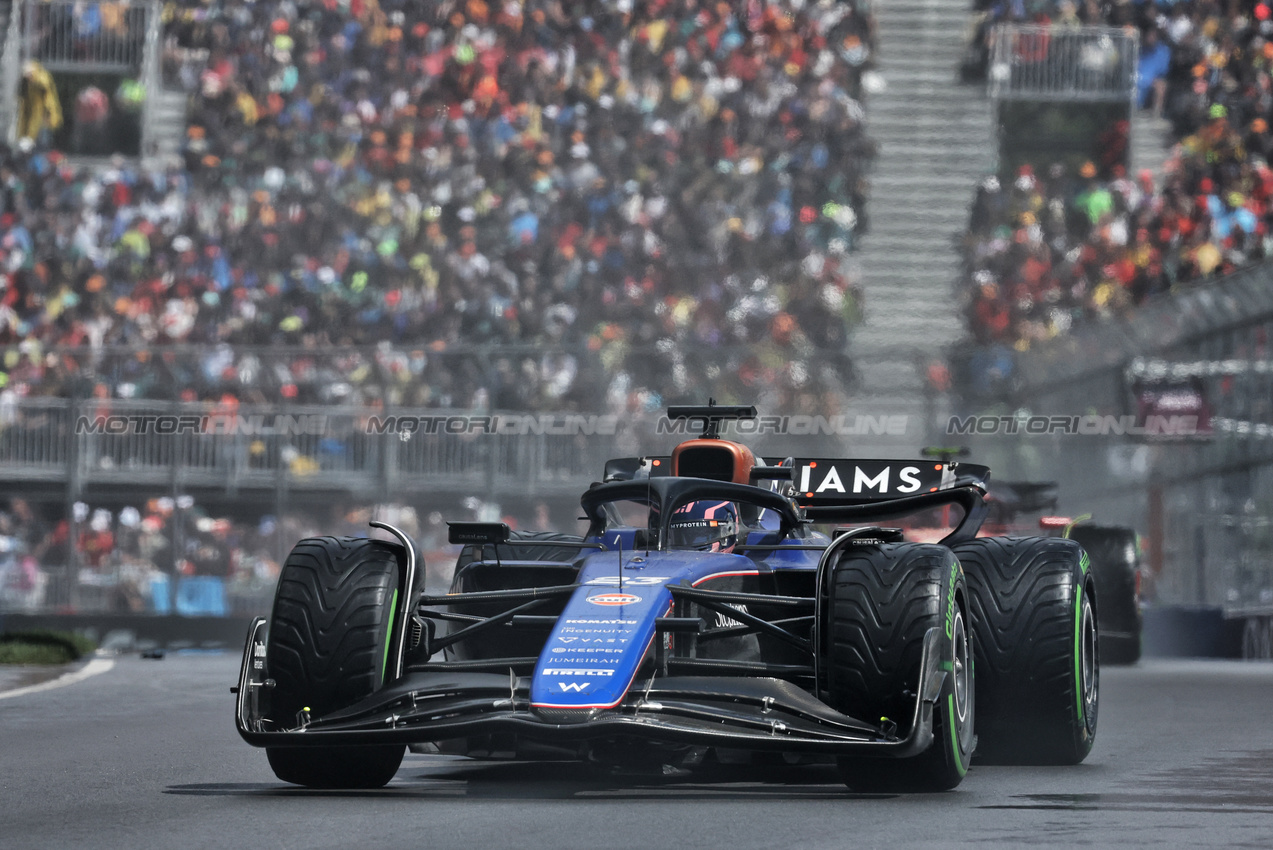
pixel 576 687
pixel 612 599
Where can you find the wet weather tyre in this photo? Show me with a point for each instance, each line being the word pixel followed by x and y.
pixel 330 635
pixel 881 601
pixel 336 767
pixel 1038 666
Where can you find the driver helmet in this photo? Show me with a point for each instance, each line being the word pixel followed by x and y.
pixel 705 525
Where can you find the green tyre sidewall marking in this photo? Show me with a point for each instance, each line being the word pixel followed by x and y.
pixel 954 737
pixel 1079 593
pixel 393 612
pixel 1078 651
pixel 956 748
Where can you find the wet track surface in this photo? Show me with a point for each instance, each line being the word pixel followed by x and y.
pixel 145 755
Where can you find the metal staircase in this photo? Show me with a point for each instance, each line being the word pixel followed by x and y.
pixel 166 129
pixel 936 140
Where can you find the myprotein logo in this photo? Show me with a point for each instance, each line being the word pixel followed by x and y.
pixel 613 599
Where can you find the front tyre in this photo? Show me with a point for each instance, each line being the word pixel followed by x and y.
pixel 883 600
pixel 1035 634
pixel 330 636
pixel 336 767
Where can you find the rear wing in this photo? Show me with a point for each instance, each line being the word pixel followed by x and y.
pixel 868 491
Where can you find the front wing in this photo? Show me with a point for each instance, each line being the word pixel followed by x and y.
pixel 753 713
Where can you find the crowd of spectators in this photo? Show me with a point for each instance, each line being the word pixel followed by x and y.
pixel 1053 244
pixel 370 186
pixel 169 554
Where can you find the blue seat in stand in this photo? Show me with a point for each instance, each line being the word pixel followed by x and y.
pixel 201 596
pixel 161 594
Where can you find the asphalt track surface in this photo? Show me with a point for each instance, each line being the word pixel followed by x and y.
pixel 145 755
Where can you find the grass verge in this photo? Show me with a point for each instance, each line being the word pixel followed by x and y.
pixel 43 647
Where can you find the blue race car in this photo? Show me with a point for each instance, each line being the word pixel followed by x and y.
pixel 719 607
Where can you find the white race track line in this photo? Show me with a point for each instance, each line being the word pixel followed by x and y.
pixel 92 668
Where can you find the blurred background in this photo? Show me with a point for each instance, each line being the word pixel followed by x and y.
pixel 294 218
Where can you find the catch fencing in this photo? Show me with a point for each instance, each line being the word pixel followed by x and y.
pixel 92 445
pixel 206 476
pixel 1203 500
pixel 1047 62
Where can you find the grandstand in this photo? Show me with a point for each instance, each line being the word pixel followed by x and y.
pixel 347 211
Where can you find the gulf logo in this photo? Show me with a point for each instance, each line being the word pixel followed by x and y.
pixel 612 599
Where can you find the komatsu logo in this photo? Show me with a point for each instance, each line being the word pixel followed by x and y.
pixel 574 671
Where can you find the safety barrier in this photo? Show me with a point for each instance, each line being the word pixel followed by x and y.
pixel 1044 62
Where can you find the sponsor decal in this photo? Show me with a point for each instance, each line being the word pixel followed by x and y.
pixel 575 671
pixel 597 632
pixel 612 599
pixel 635 581
pixel 575 687
pixel 601 623
pixel 724 622
pixel 830 478
pixel 586 649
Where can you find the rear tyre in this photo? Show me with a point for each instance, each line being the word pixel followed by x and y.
pixel 329 642
pixel 882 601
pixel 1035 636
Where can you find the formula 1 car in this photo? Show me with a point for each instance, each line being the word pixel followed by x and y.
pixel 1115 555
pixel 703 617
